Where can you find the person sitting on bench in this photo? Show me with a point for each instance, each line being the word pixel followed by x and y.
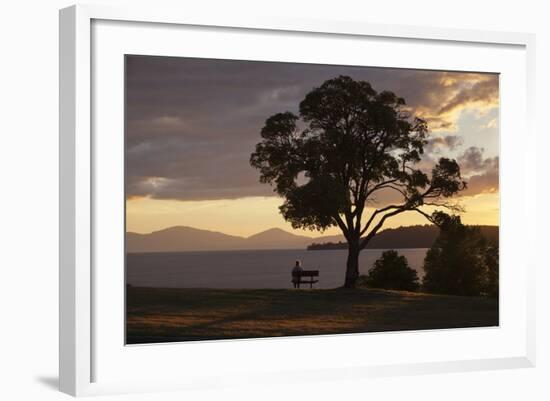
pixel 296 274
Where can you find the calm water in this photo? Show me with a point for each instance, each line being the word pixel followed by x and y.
pixel 248 269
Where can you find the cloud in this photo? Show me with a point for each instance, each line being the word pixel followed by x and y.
pixel 482 93
pixel 482 173
pixel 191 124
pixel 472 160
pixel 451 93
pixel 438 144
pixel 488 182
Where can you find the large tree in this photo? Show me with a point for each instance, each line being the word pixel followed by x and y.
pixel 347 146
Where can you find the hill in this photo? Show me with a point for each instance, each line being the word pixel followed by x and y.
pixel 183 239
pixel 179 239
pixel 276 238
pixel 420 236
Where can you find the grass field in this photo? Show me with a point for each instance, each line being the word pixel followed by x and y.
pixel 164 315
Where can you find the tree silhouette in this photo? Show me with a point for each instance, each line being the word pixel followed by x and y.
pixel 461 261
pixel 348 143
pixel 392 272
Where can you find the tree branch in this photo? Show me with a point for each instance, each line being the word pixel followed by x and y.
pixel 377 227
pixel 426 215
pixel 342 226
pixel 376 213
pixel 380 186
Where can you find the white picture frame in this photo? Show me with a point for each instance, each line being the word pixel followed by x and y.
pixel 82 344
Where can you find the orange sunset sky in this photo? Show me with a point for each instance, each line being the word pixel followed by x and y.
pixel 191 125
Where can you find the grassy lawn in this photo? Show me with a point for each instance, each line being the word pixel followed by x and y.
pixel 163 314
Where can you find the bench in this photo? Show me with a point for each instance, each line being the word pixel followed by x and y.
pixel 307 273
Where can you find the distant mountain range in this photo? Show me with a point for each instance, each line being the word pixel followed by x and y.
pixel 181 239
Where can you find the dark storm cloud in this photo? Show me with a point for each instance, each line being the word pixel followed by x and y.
pixel 191 124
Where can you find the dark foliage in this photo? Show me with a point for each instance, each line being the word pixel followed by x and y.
pixel 419 236
pixel 461 261
pixel 391 272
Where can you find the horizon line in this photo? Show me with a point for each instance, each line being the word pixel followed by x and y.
pixel 291 233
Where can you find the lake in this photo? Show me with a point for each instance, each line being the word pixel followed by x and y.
pixel 248 269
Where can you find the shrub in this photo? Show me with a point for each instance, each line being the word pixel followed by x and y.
pixel 392 272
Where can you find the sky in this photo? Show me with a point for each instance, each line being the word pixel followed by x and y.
pixel 191 125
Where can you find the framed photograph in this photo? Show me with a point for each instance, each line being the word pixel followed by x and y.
pixel 248 191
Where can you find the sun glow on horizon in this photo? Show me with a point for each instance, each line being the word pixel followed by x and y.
pixel 247 216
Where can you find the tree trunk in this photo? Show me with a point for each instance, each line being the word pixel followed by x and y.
pixel 352 265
